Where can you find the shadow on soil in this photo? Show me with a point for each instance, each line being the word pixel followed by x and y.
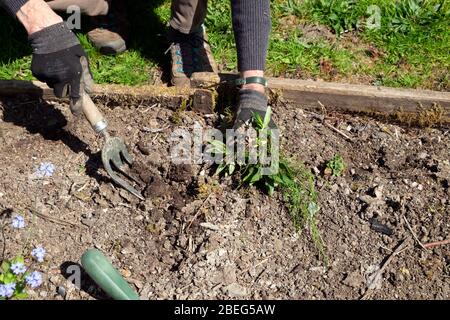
pixel 40 117
pixel 75 274
pixel 146 33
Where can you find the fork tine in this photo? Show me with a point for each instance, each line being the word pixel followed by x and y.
pixel 116 159
pixel 121 181
pixel 126 155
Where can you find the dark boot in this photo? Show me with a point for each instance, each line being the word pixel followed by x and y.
pixel 109 32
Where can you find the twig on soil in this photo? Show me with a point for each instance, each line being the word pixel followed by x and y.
pixel 54 220
pixel 322 118
pixel 401 246
pixel 198 212
pixel 337 131
pixel 156 137
pixel 437 243
pixel 413 234
pixel 84 186
pixel 4 242
pixel 255 266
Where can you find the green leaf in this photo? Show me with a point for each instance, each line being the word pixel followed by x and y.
pixel 256 177
pixel 285 168
pixel 270 189
pixel 231 168
pixel 267 118
pixel 217 146
pixel 9 277
pixel 258 120
pixel 250 171
pixel 21 295
pixel 220 168
pixel 277 178
pixel 18 259
pixel 5 266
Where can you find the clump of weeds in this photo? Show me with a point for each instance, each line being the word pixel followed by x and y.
pixel 290 178
pixel 336 166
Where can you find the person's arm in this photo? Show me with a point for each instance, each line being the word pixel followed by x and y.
pixel 57 53
pixel 34 15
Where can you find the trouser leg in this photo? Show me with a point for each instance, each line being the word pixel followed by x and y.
pixel 87 7
pixel 188 15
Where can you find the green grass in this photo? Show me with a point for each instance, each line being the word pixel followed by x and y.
pixel 413 37
pixel 129 68
pixel 409 49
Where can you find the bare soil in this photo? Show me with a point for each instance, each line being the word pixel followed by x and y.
pixel 198 236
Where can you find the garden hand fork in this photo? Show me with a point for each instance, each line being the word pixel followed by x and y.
pixel 114 151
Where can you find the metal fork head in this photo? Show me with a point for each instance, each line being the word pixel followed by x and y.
pixel 115 156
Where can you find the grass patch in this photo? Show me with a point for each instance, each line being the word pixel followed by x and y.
pixel 413 36
pixel 301 198
pixel 129 68
pixel 409 47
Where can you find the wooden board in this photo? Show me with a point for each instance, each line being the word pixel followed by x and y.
pixel 359 98
pixel 304 93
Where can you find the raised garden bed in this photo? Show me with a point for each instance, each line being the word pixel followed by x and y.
pixel 198 236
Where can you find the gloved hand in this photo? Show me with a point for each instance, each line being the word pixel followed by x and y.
pixel 251 101
pixel 60 61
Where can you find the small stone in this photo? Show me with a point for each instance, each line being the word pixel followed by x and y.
pixel 278 244
pixel 126 273
pixel 142 146
pixel 422 155
pixel 229 275
pixel 378 192
pixel 208 225
pixel 54 279
pixel 235 290
pixel 61 291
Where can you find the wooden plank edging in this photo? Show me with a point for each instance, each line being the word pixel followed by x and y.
pixel 305 93
pixel 359 98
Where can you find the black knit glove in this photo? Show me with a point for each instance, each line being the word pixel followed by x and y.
pixel 60 61
pixel 250 102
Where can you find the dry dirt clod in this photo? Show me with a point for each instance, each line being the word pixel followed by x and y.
pixel 143 147
pixel 235 290
pixel 181 173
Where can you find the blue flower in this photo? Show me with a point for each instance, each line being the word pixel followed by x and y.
pixel 46 169
pixel 18 268
pixel 18 222
pixel 34 280
pixel 38 253
pixel 7 290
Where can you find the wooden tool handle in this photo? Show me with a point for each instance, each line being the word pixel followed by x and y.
pixel 93 114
